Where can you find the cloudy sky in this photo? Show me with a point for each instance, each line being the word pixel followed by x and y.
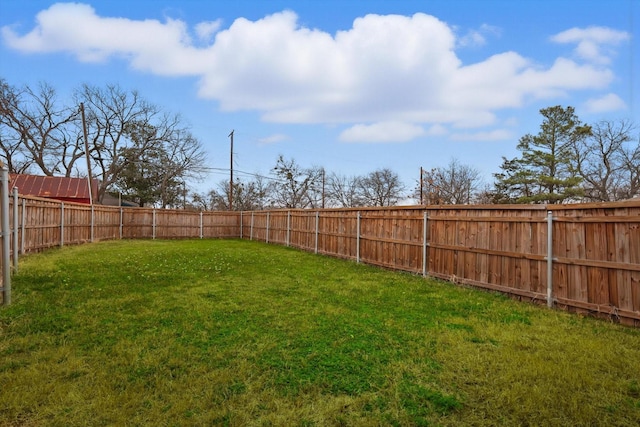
pixel 349 85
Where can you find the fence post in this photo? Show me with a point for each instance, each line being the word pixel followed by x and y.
pixel 241 223
pixel 153 225
pixel 22 228
pixel 288 226
pixel 358 238
pixel 549 259
pixel 4 223
pixel 121 221
pixel 425 228
pixel 61 224
pixel 16 226
pixel 201 226
pixel 251 229
pixel 93 219
pixel 268 219
pixel 317 229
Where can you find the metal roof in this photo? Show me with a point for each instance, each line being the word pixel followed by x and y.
pixel 52 187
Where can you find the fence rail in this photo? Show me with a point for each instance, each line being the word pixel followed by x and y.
pixel 584 258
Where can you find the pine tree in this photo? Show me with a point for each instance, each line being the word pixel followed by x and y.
pixel 546 172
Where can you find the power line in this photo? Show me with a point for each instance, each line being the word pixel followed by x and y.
pixel 224 171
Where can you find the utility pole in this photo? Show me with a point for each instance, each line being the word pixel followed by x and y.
pixel 86 152
pixel 231 172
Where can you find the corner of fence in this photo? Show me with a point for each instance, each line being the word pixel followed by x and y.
pixel 5 234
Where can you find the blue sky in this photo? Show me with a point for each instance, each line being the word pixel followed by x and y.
pixel 350 85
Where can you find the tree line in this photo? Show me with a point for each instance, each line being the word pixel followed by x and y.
pixel 570 161
pixel 291 185
pixel 567 161
pixel 135 148
pixel 147 155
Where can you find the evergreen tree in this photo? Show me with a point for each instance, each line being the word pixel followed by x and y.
pixel 546 172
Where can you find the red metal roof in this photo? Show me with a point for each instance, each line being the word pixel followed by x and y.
pixel 53 187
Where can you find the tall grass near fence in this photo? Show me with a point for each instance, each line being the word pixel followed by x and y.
pixel 239 333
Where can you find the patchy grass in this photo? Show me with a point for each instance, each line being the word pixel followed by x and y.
pixel 242 333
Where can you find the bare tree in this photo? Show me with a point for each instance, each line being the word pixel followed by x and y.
pixel 295 186
pixel 182 158
pixel 247 195
pixel 11 137
pixel 600 160
pixel 631 169
pixel 608 162
pixel 485 195
pixel 134 147
pixel 455 184
pixel 36 131
pixel 134 143
pixel 344 191
pixel 119 130
pixel 381 188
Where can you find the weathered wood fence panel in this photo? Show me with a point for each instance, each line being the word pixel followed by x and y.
pixel 77 225
pixel 338 234
pixel 392 239
pixel 138 223
pixel 217 225
pixel 41 225
pixel 502 249
pixel 595 249
pixel 177 224
pixel 106 223
pixel 597 258
pixel 302 231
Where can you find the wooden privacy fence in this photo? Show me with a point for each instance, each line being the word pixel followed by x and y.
pixel 581 257
pixel 40 223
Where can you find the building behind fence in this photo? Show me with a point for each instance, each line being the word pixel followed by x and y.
pixel 584 258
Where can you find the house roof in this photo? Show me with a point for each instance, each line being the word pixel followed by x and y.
pixel 53 187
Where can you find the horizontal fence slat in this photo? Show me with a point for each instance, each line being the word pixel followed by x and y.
pixel 387 240
pixel 594 263
pixel 489 219
pixel 596 219
pixel 517 255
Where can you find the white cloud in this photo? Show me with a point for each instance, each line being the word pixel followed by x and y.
pixel 594 44
pixel 606 103
pixel 272 139
pixel 206 30
pixel 382 132
pixel 472 38
pixel 436 130
pixel 392 71
pixel 161 48
pixel 478 37
pixel 493 135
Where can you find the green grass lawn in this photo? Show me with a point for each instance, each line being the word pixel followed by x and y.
pixel 242 333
